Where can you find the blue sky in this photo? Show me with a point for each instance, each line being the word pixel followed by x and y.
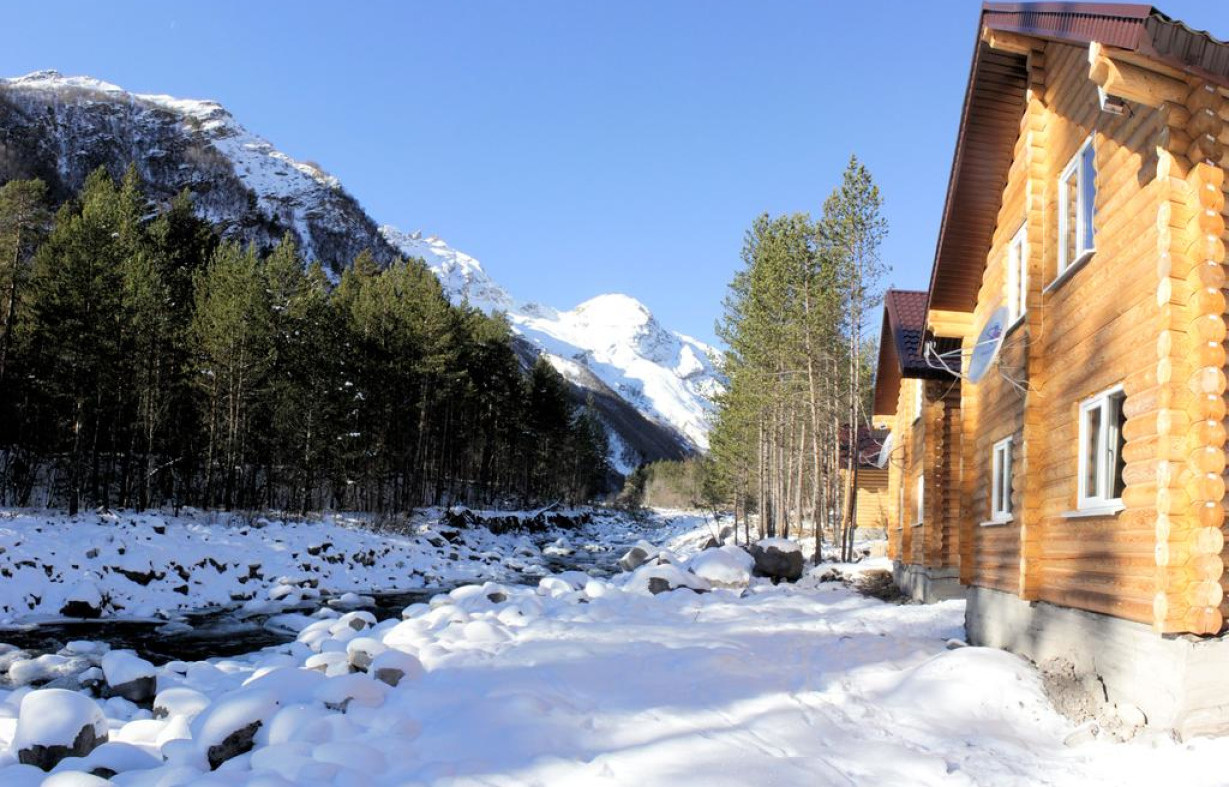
pixel 574 147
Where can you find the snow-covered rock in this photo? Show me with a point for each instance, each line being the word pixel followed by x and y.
pixel 227 728
pixel 393 666
pixel 778 559
pixel 83 601
pixel 179 701
pixel 56 723
pixel 637 556
pixel 727 566
pixel 664 577
pixel 129 676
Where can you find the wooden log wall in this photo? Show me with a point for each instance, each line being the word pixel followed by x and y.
pixel 892 492
pixel 944 526
pixel 928 446
pixel 994 408
pixel 1189 563
pixel 1081 336
pixel 872 502
pixel 918 430
pixel 1026 503
pixel 1095 324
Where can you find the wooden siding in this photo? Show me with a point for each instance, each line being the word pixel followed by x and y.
pixel 925 444
pixel 872 510
pixel 1145 312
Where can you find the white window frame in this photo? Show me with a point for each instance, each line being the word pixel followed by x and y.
pixel 1085 231
pixel 1017 276
pixel 921 499
pixel 1000 481
pixel 1107 434
pixel 919 398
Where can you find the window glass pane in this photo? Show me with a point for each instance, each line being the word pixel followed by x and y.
pixel 1114 442
pixel 1022 277
pixel 1070 199
pixel 996 483
pixel 1088 196
pixel 1007 478
pixel 1011 281
pixel 1092 429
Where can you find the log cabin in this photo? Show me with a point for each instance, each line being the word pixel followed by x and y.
pixel 920 404
pixel 1087 198
pixel 868 485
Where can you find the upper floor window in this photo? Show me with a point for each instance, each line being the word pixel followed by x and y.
pixel 1077 193
pixel 1017 276
pixel 1101 464
pixel 1000 481
pixel 919 398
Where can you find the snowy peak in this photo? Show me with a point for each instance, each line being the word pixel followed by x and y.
pixel 612 341
pixel 461 275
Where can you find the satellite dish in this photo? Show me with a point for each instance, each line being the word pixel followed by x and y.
pixel 988 343
pixel 885 451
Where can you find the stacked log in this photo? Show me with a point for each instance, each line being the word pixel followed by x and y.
pixel 1190 488
pixel 1028 503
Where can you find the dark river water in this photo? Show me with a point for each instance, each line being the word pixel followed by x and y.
pixel 222 632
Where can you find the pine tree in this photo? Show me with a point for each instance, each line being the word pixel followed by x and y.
pixel 24 221
pixel 232 338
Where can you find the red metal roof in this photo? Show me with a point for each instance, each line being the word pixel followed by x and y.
pixel 902 347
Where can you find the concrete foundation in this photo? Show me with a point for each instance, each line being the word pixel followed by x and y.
pixel 1179 683
pixel 927 585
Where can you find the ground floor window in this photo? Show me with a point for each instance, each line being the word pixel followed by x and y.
pixel 1101 441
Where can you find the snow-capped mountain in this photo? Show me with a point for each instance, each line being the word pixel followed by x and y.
pixel 651 384
pixel 667 376
pixel 62 128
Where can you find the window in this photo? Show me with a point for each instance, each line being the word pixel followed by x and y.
pixel 919 398
pixel 1000 481
pixel 1101 441
pixel 921 497
pixel 1017 276
pixel 1077 192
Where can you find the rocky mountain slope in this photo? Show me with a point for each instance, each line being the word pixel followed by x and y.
pixel 608 344
pixel 650 384
pixel 62 128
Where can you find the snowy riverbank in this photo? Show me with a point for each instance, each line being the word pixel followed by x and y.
pixel 142 566
pixel 582 680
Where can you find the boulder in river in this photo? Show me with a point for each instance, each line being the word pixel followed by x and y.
pixel 129 676
pixel 83 601
pixel 636 557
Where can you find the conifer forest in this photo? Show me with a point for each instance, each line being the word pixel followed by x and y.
pixel 145 362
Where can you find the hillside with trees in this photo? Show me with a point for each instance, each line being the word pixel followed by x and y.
pixel 144 361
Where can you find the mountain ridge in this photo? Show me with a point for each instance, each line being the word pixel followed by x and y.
pixel 651 385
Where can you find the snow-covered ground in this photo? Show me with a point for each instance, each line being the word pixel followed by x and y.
pixel 581 680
